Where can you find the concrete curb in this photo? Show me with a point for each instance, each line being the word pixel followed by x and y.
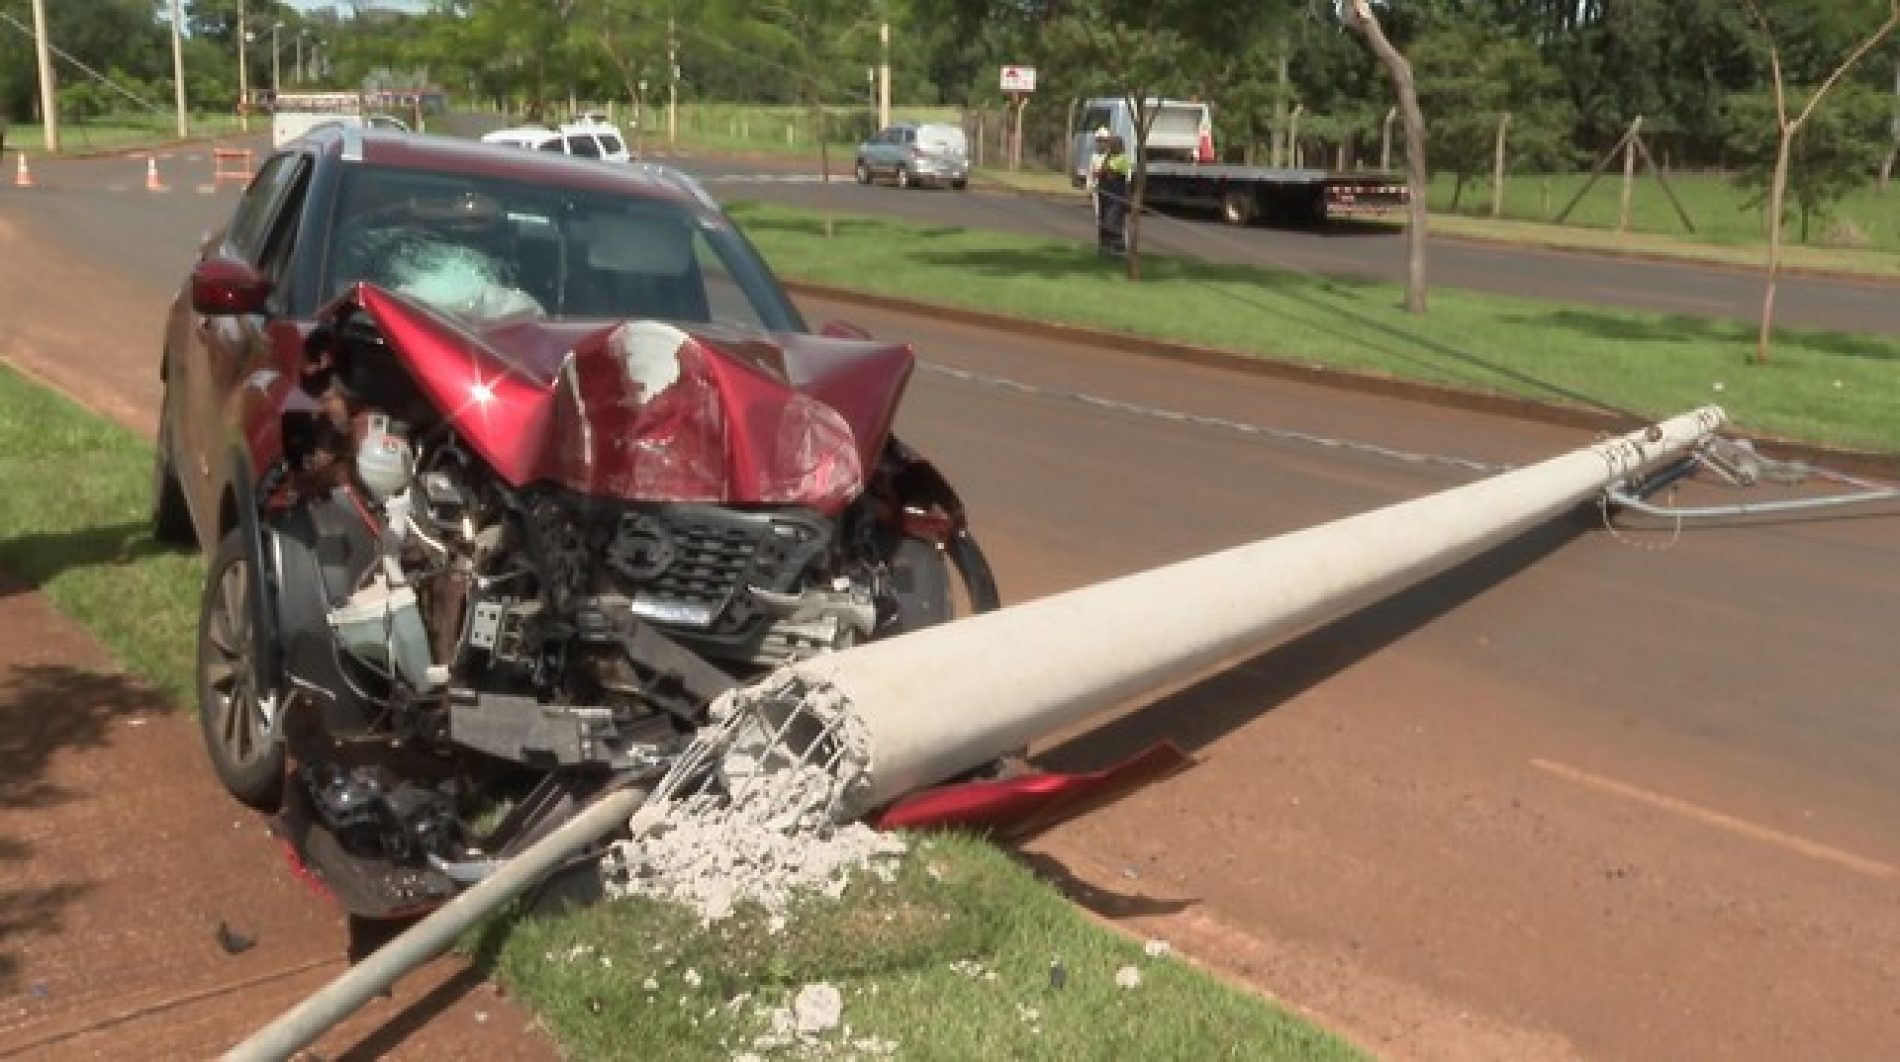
pixel 1856 462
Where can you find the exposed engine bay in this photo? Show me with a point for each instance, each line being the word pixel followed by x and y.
pixel 463 658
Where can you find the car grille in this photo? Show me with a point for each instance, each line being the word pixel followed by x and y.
pixel 691 565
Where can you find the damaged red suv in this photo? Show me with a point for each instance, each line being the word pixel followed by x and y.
pixel 508 464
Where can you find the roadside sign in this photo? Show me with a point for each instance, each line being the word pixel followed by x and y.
pixel 1019 79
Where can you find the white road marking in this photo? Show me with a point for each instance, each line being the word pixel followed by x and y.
pixel 775 178
pixel 1754 831
pixel 207 189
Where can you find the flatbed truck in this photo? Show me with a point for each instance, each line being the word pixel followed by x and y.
pixel 1182 173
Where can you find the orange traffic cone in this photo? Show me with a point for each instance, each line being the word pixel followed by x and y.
pixel 22 177
pixel 152 183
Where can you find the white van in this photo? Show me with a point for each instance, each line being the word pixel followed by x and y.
pixel 1183 131
pixel 590 139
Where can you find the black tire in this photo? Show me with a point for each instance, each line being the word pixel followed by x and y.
pixel 237 738
pixel 1237 206
pixel 920 581
pixel 904 179
pixel 863 172
pixel 960 184
pixel 171 517
pixel 1315 209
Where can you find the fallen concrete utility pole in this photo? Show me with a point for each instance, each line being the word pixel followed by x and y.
pixel 924 707
pixel 301 1025
pixel 888 718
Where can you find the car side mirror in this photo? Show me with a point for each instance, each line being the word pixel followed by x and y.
pixel 843 330
pixel 227 287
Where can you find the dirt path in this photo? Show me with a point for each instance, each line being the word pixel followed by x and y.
pixel 119 854
pixel 121 858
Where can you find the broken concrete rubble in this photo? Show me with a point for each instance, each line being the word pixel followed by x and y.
pixel 751 814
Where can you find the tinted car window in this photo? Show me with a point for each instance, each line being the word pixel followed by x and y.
pixel 552 144
pixel 583 145
pixel 485 248
pixel 274 257
pixel 251 223
pixel 610 143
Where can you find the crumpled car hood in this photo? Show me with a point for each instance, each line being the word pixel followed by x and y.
pixel 650 410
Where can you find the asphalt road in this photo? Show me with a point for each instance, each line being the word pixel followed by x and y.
pixel 1693 290
pixel 1350 251
pixel 1621 794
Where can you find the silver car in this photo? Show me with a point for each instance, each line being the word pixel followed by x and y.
pixel 911 153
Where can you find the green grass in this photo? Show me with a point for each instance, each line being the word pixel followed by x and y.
pixel 894 952
pixel 1722 212
pixel 122 132
pixel 1832 388
pixel 1832 260
pixel 73 522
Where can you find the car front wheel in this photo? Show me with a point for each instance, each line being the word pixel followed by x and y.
pixel 232 711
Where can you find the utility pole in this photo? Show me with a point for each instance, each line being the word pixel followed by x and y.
pixel 276 68
pixel 672 82
pixel 884 76
pixel 244 73
pixel 49 100
pixel 178 70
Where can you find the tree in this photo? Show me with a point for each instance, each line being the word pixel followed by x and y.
pixel 1838 146
pixel 1893 144
pixel 1787 129
pixel 1359 14
pixel 628 30
pixel 1469 75
pixel 118 36
pixel 821 39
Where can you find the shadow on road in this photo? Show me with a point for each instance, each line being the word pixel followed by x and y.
pixel 393 1033
pixel 1199 715
pixel 47 711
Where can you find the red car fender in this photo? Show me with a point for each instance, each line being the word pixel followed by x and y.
pixel 1015 808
